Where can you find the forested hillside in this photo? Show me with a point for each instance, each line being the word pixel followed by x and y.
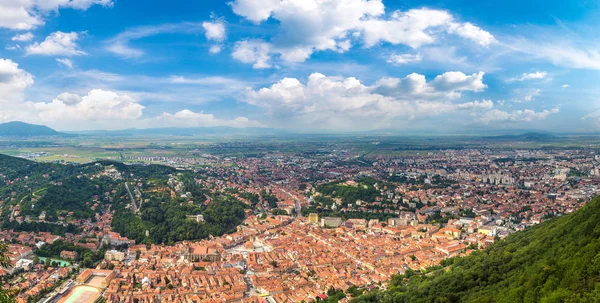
pixel 56 198
pixel 556 261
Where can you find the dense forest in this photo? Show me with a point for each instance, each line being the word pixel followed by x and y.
pixel 167 222
pixel 556 261
pixel 365 191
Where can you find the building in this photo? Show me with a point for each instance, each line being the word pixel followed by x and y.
pixel 114 239
pixel 331 222
pixel 397 222
pixel 203 253
pixel 313 218
pixel 68 255
pixel 357 224
pixel 113 255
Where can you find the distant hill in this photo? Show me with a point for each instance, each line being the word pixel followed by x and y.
pixel 556 261
pixel 22 129
pixel 532 136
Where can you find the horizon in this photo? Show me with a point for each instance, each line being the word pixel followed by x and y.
pixel 312 66
pixel 283 131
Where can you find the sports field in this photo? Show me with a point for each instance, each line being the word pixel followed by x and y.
pixel 81 294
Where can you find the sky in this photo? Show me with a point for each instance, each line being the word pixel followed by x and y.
pixel 302 65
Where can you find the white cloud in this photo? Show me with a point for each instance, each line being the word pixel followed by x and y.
pixel 404 59
pixel 413 28
pixel 16 15
pixel 66 62
pixel 346 103
pixel 471 32
pixel 308 26
pixel 252 51
pixel 22 37
pixel 105 109
pixel 187 118
pixel 13 82
pixel 526 115
pixel 215 31
pixel 13 47
pixel 564 86
pixel 255 10
pixel 484 104
pixel 69 99
pixel 12 76
pixel 57 44
pixel 28 14
pixel 449 84
pixel 99 108
pixel 529 76
pixel 529 96
pixel 215 49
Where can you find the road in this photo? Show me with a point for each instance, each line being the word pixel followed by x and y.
pixel 296 202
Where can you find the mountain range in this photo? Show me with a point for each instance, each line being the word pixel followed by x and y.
pixel 21 129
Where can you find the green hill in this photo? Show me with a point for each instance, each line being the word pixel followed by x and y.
pixel 21 129
pixel 556 261
pixel 66 193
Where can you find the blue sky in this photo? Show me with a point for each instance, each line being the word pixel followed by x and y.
pixel 307 65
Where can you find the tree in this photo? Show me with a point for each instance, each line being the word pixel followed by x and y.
pixel 6 296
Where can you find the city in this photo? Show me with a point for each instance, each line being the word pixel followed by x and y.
pixel 299 151
pixel 315 224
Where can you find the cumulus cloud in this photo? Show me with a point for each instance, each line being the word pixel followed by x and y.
pixel 484 104
pixel 16 15
pixel 99 108
pixel 305 27
pixel 253 51
pixel 526 115
pixel 57 44
pixel 564 86
pixel 22 37
pixel 404 59
pixel 105 109
pixel 449 84
pixel 28 14
pixel 69 99
pixel 12 77
pixel 13 82
pixel 215 49
pixel 471 32
pixel 215 31
pixel 347 103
